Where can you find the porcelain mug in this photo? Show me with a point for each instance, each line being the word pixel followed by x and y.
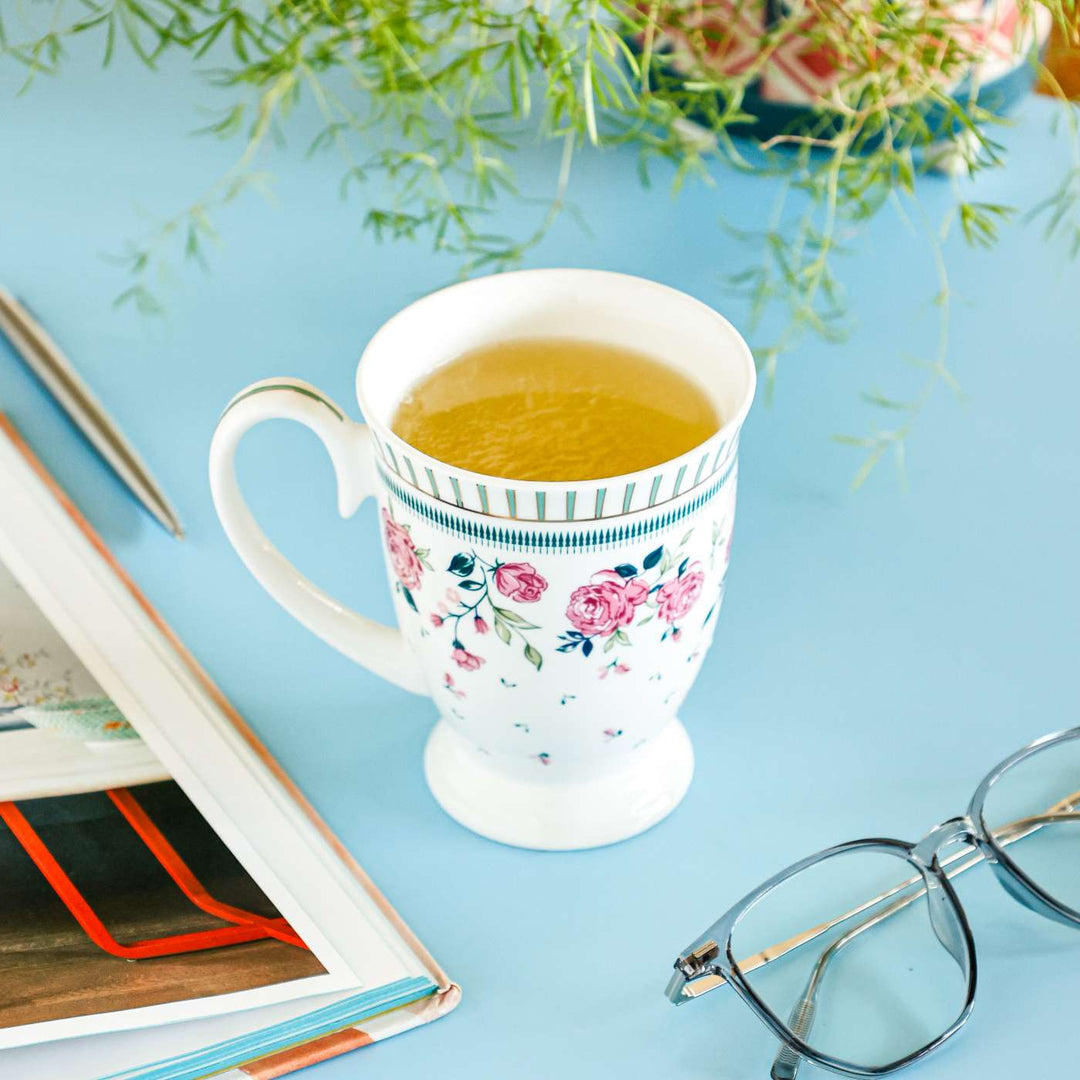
pixel 557 626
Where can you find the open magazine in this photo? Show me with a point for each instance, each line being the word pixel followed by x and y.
pixel 170 906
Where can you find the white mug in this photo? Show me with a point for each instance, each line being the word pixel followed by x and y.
pixel 557 626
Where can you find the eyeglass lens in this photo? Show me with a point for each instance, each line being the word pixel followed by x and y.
pixel 884 982
pixel 1034 811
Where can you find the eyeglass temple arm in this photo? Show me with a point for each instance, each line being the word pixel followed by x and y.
pixel 787 1060
pixel 709 978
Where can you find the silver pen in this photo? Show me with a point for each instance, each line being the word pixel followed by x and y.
pixel 44 358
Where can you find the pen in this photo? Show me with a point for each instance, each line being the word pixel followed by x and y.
pixel 44 358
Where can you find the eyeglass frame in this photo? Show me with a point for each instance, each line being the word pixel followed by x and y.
pixel 704 962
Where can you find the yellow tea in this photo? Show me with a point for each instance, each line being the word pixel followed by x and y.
pixel 555 409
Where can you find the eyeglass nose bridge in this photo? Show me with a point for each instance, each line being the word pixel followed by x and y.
pixel 946 915
pixel 962 830
pixel 957 830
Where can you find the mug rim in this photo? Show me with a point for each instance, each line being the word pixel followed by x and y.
pixel 390 445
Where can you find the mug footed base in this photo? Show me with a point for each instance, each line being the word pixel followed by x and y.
pixel 553 816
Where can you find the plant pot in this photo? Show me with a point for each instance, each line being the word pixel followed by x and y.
pixel 791 95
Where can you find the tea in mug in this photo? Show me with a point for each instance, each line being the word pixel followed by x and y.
pixel 555 409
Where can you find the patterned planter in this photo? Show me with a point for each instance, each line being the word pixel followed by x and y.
pixel 793 89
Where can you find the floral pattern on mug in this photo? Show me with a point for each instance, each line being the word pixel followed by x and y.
pixel 408 561
pixel 448 682
pixel 608 602
pixel 721 539
pixel 626 596
pixel 467 660
pixel 520 582
pixel 483 580
pixel 675 598
pixel 616 666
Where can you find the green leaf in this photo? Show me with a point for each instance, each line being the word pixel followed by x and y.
pixel 409 598
pixel 502 631
pixel 533 657
pixel 979 221
pixel 873 397
pixel 683 541
pixel 867 467
pixel 513 618
pixel 653 558
pixel 621 636
pixel 462 565
pixel 472 586
pixel 609 644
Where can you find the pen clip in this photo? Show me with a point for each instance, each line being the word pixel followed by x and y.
pixel 44 358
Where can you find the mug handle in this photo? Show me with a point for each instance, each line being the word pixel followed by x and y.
pixel 379 648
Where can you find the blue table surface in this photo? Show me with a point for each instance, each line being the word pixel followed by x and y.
pixel 878 651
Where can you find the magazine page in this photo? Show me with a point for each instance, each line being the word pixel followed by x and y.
pixel 116 894
pixel 169 870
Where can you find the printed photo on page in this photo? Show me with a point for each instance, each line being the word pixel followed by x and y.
pixel 115 892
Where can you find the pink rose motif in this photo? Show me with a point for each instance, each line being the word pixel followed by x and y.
pixel 10 686
pixel 680 594
pixel 403 557
pixel 467 660
pixel 520 581
pixel 480 625
pixel 609 602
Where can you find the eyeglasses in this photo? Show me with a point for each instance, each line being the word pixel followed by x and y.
pixel 881 985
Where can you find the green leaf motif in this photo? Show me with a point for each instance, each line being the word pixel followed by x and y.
pixel 652 558
pixel 683 541
pixel 609 644
pixel 409 599
pixel 513 618
pixel 621 637
pixel 534 657
pixel 462 565
pixel 472 586
pixel 502 631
